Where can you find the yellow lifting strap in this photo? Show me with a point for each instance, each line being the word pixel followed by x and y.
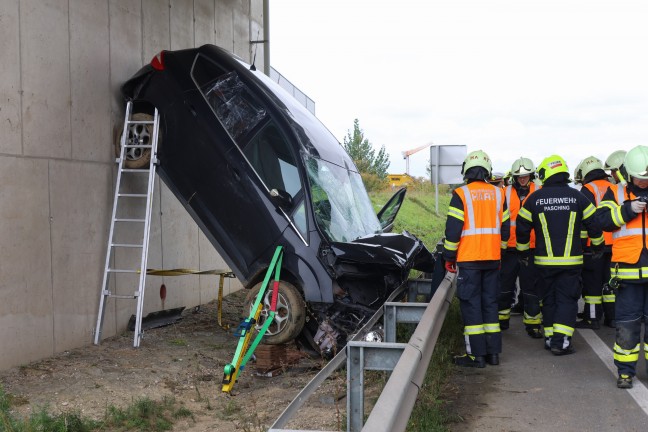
pixel 182 271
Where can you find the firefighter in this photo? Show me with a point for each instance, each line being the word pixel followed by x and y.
pixel 614 163
pixel 477 228
pixel 497 179
pixel 556 213
pixel 523 173
pixel 599 298
pixel 623 211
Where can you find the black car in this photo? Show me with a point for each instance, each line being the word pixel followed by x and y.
pixel 255 169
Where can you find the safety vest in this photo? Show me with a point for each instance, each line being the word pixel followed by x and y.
pixel 483 213
pixel 630 238
pixel 598 189
pixel 513 206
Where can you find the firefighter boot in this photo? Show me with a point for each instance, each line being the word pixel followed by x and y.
pixel 624 381
pixel 468 360
pixel 535 331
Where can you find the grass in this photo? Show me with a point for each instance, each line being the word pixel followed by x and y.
pixel 143 414
pixel 418 216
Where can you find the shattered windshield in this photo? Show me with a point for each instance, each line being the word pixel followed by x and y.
pixel 341 205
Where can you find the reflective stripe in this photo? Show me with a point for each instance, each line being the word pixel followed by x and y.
pixel 589 211
pixel 471 215
pixel 456 213
pixel 523 247
pixel 474 330
pixel 492 328
pixel 597 192
pixel 593 299
pixel 548 331
pixel 509 188
pixel 630 273
pixel 584 234
pixel 526 214
pixel 504 315
pixel 609 298
pixel 598 240
pixel 528 319
pixel 566 330
pixel 619 193
pixel 570 234
pixel 626 356
pixel 626 232
pixel 514 223
pixel 451 246
pixel 545 234
pixel 549 261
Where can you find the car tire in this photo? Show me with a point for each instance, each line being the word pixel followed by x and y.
pixel 289 318
pixel 136 157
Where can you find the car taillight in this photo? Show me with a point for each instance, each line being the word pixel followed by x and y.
pixel 158 61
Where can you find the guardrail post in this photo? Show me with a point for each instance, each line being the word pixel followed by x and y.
pixel 395 312
pixel 363 356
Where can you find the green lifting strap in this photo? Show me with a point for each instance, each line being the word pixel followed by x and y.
pixel 243 350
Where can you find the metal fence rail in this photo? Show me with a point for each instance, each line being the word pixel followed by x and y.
pixel 394 406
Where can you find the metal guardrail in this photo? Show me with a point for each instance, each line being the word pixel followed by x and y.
pixel 409 363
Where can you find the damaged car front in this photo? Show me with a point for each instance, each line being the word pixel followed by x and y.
pixel 255 169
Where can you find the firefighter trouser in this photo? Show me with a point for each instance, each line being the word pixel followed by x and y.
pixel 593 270
pixel 478 291
pixel 561 290
pixel 631 307
pixel 510 271
pixel 608 294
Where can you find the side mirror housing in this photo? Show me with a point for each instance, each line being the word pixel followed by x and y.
pixel 281 198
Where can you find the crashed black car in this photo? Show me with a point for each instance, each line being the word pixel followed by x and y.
pixel 255 169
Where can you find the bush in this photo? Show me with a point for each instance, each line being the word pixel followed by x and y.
pixel 372 182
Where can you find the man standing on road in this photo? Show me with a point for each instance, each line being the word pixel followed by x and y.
pixel 477 228
pixel 623 211
pixel 523 172
pixel 556 213
pixel 596 271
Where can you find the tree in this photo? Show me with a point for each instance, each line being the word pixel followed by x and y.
pixel 363 153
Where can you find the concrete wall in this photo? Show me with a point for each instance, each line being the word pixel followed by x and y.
pixel 62 62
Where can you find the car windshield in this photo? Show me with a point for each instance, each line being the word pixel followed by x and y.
pixel 341 205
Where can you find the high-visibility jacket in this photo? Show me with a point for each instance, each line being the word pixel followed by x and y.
pixel 594 191
pixel 556 212
pixel 629 257
pixel 513 204
pixel 477 223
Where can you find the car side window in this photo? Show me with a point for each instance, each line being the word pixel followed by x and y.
pixel 274 162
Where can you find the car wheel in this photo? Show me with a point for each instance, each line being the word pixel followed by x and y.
pixel 138 133
pixel 289 318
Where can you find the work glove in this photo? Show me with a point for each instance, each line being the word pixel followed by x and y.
pixel 451 266
pixel 523 258
pixel 637 206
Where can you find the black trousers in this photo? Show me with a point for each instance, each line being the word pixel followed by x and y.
pixel 510 271
pixel 478 291
pixel 561 291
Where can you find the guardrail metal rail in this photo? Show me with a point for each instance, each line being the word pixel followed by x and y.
pixel 407 361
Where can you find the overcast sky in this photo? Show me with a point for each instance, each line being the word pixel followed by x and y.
pixel 512 77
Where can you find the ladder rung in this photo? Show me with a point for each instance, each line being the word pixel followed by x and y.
pixel 130 297
pixel 122 271
pixel 138 146
pixel 127 195
pixel 149 122
pixel 127 245
pixel 130 220
pixel 135 170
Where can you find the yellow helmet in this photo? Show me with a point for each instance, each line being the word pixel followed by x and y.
pixel 615 160
pixel 586 166
pixel 477 158
pixel 522 166
pixel 636 162
pixel 550 166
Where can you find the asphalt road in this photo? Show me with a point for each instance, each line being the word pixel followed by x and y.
pixel 533 390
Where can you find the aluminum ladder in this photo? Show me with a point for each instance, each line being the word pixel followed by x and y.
pixel 121 238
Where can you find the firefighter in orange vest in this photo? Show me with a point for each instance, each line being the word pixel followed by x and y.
pixel 523 172
pixel 556 213
pixel 623 211
pixel 599 299
pixel 477 228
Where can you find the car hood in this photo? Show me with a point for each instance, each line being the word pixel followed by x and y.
pixel 383 253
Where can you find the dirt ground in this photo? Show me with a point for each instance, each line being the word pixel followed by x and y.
pixel 184 361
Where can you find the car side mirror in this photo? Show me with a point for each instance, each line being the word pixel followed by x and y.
pixel 281 198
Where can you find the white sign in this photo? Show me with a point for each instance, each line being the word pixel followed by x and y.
pixel 446 162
